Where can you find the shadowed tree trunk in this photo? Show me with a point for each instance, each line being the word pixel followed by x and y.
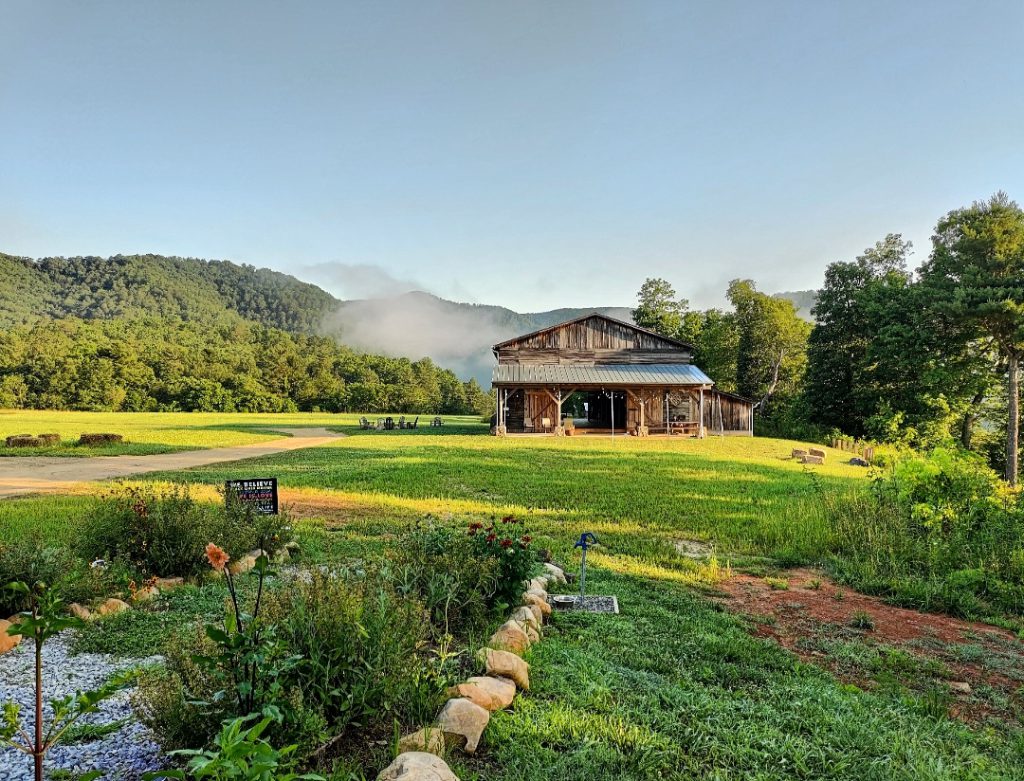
pixel 1013 417
pixel 970 418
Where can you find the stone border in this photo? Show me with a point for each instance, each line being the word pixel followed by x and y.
pixel 465 716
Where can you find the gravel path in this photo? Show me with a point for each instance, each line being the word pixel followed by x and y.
pixel 31 474
pixel 123 755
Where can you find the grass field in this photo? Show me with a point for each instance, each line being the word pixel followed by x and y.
pixel 160 432
pixel 675 686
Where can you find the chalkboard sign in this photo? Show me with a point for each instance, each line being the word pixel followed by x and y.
pixel 260 492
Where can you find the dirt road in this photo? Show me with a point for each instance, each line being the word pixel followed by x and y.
pixel 24 475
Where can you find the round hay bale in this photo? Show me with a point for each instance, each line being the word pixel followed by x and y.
pixel 93 440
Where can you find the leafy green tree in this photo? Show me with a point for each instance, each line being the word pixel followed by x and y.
pixel 975 277
pixel 846 322
pixel 658 308
pixel 772 346
pixel 715 338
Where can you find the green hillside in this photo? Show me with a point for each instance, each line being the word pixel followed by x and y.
pixel 131 286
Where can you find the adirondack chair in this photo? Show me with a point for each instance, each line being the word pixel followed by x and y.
pixel 414 423
pixel 437 422
pixel 401 422
pixel 389 423
pixel 364 424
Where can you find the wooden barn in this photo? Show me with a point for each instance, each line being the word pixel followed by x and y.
pixel 601 375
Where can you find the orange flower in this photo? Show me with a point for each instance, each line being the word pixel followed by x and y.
pixel 217 557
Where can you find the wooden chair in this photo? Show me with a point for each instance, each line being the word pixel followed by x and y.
pixel 545 424
pixel 527 424
pixel 414 423
pixel 364 424
pixel 437 422
pixel 401 422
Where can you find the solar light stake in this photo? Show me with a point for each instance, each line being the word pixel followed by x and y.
pixel 585 541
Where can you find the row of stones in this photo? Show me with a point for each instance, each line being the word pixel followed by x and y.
pixel 463 718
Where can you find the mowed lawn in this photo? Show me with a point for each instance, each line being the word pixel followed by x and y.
pixel 675 687
pixel 163 432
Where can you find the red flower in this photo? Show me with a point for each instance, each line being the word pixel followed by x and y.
pixel 492 537
pixel 526 539
pixel 506 543
pixel 509 519
pixel 476 525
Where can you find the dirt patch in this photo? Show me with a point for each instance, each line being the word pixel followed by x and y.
pixel 978 668
pixel 692 549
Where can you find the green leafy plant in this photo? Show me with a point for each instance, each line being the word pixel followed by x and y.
pixel 249 657
pixel 240 753
pixel 44 619
pixel 861 619
pixel 511 551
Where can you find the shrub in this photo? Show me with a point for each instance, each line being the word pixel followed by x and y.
pixel 510 549
pixel 360 646
pixel 441 567
pixel 176 700
pixel 936 531
pixel 159 532
pixel 33 561
pixel 165 531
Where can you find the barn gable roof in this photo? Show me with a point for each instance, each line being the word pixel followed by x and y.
pixel 669 342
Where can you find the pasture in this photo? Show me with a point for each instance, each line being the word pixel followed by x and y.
pixel 686 682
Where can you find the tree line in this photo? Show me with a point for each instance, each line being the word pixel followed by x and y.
pixel 918 357
pixel 227 365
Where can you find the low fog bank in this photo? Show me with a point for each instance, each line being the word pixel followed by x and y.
pixel 456 336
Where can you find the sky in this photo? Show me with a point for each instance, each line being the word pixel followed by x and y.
pixel 528 154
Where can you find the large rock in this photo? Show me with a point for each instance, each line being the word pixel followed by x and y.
pixel 501 690
pixel 80 611
pixel 555 572
pixel 799 453
pixel 169 584
pixel 510 636
pixel 539 602
pixel 463 722
pixel 245 563
pixel 7 642
pixel 429 739
pixel 112 606
pixel 145 594
pixel 505 665
pixel 813 460
pixel 487 692
pixel 816 451
pixel 417 766
pixel 539 584
pixel 527 614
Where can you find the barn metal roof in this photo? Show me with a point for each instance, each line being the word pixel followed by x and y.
pixel 605 374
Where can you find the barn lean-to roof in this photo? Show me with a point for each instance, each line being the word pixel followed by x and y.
pixel 647 332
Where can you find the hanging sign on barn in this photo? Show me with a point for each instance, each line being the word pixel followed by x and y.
pixel 260 492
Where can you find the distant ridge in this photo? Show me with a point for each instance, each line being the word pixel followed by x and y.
pixel 412 325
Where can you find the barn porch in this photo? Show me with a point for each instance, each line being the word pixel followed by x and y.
pixel 671 399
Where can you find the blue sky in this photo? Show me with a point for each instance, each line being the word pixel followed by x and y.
pixel 527 154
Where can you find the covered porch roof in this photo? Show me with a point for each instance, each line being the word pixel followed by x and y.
pixel 577 375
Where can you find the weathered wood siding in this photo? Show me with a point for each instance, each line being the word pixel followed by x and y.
pixel 736 413
pixel 593 340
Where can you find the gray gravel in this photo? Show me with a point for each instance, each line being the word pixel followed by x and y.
pixel 123 755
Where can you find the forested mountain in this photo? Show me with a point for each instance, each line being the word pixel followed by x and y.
pixel 147 332
pixel 156 286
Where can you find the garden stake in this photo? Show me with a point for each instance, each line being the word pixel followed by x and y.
pixel 586 540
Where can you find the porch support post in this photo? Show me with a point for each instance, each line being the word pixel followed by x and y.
pixel 700 428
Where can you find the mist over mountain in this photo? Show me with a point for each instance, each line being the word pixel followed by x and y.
pixel 393 319
pixel 455 335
